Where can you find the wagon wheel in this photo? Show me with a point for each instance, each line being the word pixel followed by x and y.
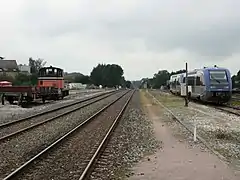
pixel 20 99
pixel 43 100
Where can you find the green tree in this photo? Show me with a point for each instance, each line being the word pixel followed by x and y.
pixel 82 79
pixel 109 75
pixel 22 79
pixel 236 80
pixel 35 65
pixel 160 79
pixel 5 77
pixel 128 84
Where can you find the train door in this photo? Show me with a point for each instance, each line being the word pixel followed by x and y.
pixel 191 82
pixel 199 83
pixel 202 83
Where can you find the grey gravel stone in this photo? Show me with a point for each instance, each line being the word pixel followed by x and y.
pixel 12 112
pixel 219 129
pixel 17 150
pixel 131 141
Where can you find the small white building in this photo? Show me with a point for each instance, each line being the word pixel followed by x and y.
pixel 24 68
pixel 76 86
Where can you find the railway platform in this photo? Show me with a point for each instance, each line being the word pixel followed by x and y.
pixel 179 157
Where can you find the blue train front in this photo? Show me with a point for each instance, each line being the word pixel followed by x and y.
pixel 207 84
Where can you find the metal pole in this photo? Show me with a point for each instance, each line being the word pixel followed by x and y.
pixel 186 80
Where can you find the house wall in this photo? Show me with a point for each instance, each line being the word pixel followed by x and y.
pixel 24 68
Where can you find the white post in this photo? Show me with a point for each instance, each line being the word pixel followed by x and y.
pixel 195 131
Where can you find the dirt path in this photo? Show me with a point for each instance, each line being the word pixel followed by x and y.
pixel 177 160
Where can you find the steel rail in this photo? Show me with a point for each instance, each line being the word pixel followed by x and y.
pixel 52 110
pixel 51 119
pixel 228 111
pixel 24 165
pixel 104 142
pixel 217 107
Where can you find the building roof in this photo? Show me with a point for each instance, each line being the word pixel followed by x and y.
pixel 8 65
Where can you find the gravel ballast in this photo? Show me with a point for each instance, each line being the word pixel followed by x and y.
pixel 221 130
pixel 32 121
pixel 70 156
pixel 17 150
pixel 131 141
pixel 12 112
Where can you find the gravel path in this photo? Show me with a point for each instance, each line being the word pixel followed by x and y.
pixel 221 130
pixel 70 156
pixel 179 157
pixel 19 149
pixel 11 112
pixel 132 140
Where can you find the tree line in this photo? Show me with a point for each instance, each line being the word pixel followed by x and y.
pixel 236 80
pixel 106 75
pixel 159 79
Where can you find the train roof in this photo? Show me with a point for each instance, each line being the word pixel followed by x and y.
pixel 200 69
pixel 48 67
pixel 208 69
pixel 214 68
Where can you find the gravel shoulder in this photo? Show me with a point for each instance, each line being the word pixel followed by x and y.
pixel 132 140
pixel 68 159
pixel 179 157
pixel 220 129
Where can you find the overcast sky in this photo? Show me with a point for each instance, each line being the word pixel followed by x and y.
pixel 143 36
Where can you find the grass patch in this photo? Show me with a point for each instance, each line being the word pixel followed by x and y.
pixel 235 103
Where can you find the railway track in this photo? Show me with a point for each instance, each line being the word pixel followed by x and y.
pixel 74 155
pixel 13 128
pixel 224 108
pixel 229 109
pixel 189 129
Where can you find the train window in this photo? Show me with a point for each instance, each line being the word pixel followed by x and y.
pixel 50 71
pixel 191 81
pixel 60 73
pixel 198 82
pixel 218 77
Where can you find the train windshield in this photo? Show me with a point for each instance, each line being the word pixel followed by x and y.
pixel 50 72
pixel 218 77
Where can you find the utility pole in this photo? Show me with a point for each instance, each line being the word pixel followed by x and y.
pixel 186 80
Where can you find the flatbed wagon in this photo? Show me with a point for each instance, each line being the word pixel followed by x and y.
pixel 30 93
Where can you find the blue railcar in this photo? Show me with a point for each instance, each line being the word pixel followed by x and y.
pixel 208 84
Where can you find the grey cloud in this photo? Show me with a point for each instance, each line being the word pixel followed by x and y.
pixel 160 33
pixel 125 32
